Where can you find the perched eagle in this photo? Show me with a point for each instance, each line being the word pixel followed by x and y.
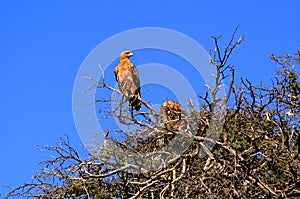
pixel 170 113
pixel 128 80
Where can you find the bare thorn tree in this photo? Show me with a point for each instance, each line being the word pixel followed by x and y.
pixel 255 155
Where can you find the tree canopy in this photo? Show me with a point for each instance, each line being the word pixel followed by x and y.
pixel 245 144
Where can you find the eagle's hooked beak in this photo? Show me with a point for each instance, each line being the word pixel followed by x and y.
pixel 130 54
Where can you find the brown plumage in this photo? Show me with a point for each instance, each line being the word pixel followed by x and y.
pixel 171 113
pixel 128 80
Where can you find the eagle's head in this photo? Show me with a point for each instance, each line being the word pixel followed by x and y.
pixel 171 110
pixel 126 54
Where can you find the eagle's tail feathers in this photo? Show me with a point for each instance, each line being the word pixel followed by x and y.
pixel 135 103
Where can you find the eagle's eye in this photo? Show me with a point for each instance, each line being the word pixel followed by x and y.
pixel 168 112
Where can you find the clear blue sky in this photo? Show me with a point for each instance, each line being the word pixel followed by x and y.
pixel 43 44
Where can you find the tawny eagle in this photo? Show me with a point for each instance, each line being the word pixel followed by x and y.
pixel 128 80
pixel 170 113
